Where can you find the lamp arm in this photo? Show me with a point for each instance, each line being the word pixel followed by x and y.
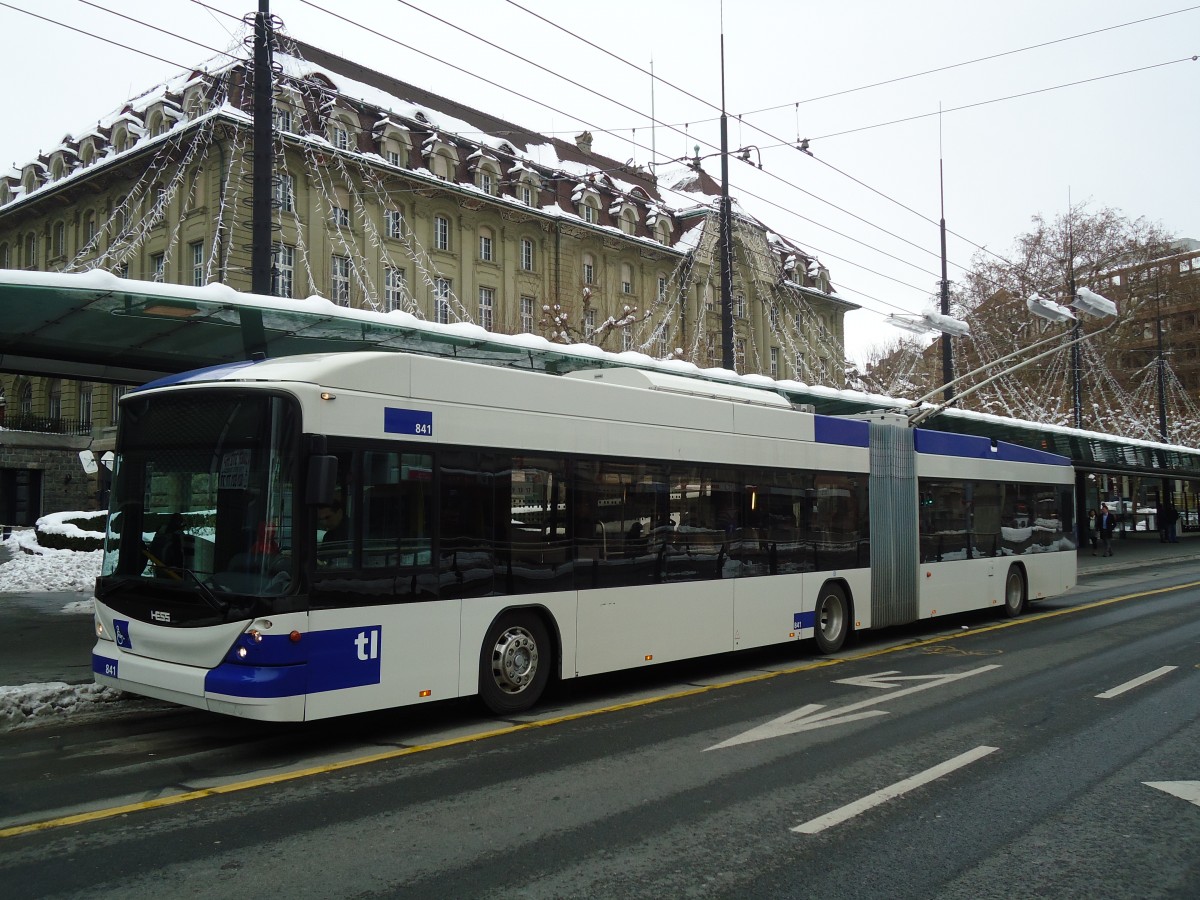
pixel 994 362
pixel 916 417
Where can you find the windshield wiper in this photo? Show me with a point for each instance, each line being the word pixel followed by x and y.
pixel 208 596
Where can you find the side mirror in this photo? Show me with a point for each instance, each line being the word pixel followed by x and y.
pixel 321 489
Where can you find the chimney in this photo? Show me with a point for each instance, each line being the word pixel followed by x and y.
pixel 584 141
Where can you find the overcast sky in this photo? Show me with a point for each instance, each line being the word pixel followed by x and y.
pixel 792 70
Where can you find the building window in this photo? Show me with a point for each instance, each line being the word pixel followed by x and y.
pixel 589 270
pixel 739 355
pixel 441 300
pixel 394 279
pixel 485 244
pixel 487 184
pixel 283 269
pixel 341 217
pixel 341 137
pixel 527 315
pixel 487 303
pixel 588 212
pixel 626 338
pixel 628 220
pixel 89 228
pixel 25 399
pixel 739 305
pixel 441 233
pixel 393 158
pixel 283 119
pixel 285 193
pixel 774 362
pixel 394 222
pixel 660 339
pixel 527 254
pixel 626 278
pixel 31 253
pixel 116 392
pixel 526 195
pixel 158 265
pixel 60 239
pixel 54 401
pixel 197 257
pixel 662 288
pixel 339 280
pixel 85 405
pixel 4 256
pixel 589 324
pixel 121 270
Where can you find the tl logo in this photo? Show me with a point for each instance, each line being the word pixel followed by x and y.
pixel 367 644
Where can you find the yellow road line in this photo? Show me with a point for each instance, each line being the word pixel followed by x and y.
pixel 282 777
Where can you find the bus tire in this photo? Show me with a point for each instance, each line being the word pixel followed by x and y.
pixel 514 663
pixel 831 618
pixel 1015 593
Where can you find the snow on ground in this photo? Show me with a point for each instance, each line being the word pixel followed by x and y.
pixel 25 703
pixel 34 569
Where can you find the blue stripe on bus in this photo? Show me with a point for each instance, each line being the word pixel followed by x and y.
pixel 209 373
pixel 848 432
pixel 336 659
pixel 944 443
pixel 804 620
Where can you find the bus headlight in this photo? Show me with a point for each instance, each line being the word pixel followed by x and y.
pixel 101 631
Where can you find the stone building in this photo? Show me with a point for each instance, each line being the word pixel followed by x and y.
pixel 391 198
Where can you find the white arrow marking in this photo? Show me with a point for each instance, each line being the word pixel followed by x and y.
pixel 1184 790
pixel 807 717
pixel 888 679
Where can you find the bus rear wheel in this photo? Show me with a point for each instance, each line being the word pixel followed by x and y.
pixel 514 663
pixel 1014 592
pixel 832 619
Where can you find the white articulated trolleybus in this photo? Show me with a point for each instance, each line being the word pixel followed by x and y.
pixel 312 536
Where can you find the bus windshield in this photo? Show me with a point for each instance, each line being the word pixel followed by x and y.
pixel 203 494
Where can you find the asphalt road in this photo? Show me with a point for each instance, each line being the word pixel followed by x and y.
pixel 1042 758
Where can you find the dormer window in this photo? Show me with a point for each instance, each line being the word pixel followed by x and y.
pixel 628 220
pixel 120 139
pixel 340 137
pixel 588 211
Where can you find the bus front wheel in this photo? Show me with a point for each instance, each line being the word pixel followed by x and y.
pixel 514 663
pixel 1014 592
pixel 832 619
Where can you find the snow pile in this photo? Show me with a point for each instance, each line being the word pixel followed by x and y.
pixel 21 703
pixel 34 568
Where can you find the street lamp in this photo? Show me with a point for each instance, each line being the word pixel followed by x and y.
pixel 1083 302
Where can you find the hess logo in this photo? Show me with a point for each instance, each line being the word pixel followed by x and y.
pixel 367 644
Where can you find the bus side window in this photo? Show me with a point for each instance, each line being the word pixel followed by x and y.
pixel 336 521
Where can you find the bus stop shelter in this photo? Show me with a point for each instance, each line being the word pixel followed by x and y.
pixel 98 327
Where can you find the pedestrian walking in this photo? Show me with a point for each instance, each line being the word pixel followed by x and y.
pixel 1093 539
pixel 1106 523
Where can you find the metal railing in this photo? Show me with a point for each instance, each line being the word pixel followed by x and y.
pixel 45 424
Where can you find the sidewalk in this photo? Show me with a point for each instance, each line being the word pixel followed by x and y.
pixel 45 644
pixel 1137 549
